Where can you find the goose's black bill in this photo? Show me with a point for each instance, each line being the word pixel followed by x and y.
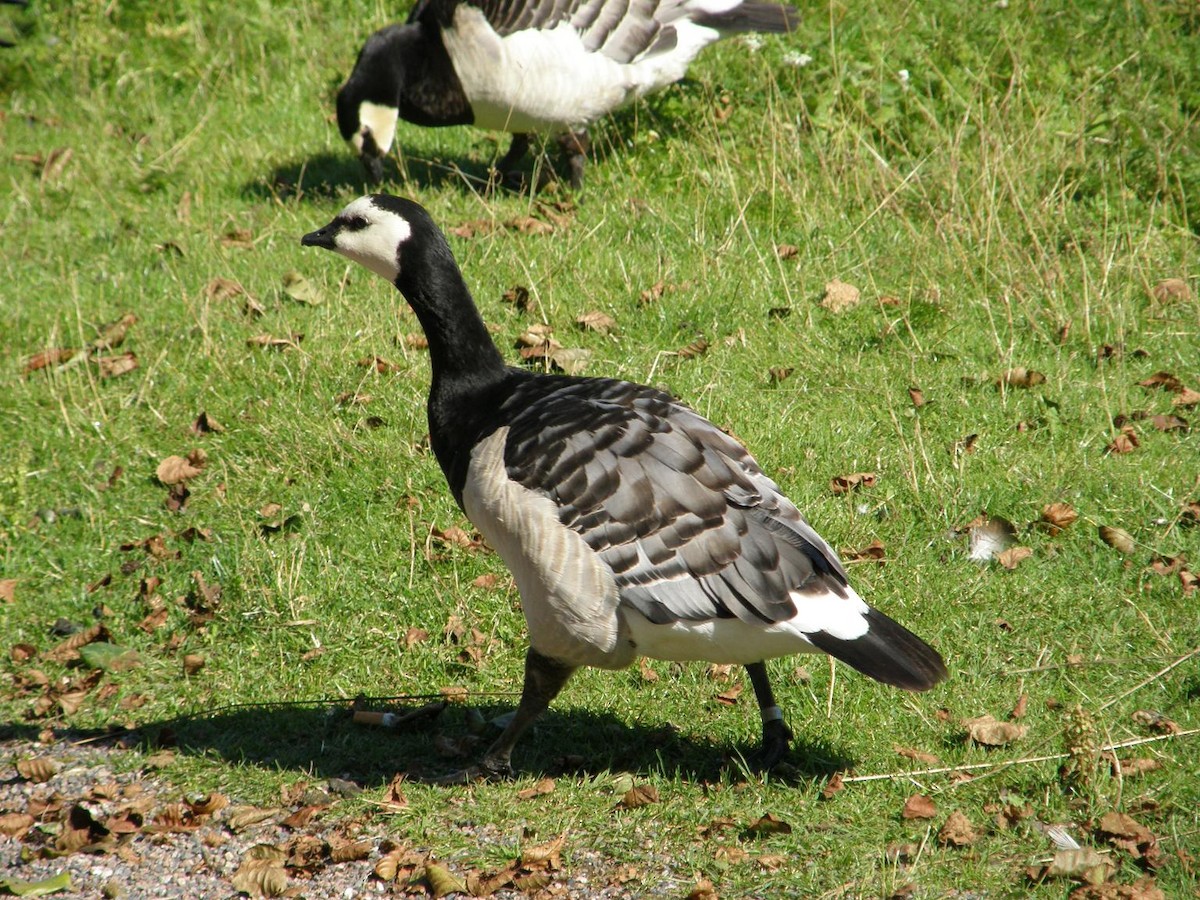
pixel 322 237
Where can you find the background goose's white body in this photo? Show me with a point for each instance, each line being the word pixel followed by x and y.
pixel 548 81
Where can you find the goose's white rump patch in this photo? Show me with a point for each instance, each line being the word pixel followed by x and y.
pixel 380 121
pixel 736 641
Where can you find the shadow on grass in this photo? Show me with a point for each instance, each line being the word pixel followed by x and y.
pixel 325 742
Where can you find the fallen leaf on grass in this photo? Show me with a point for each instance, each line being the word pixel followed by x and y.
pixel 543 787
pixel 219 289
pixel 8 590
pixel 442 882
pixel 841 484
pixel 768 824
pixel 1171 290
pixel 698 347
pixel 178 469
pixel 597 321
pixel 1013 556
pixel 115 366
pixel 301 289
pixel 639 795
pixel 786 251
pixel 1125 442
pixel 237 238
pixel 957 831
pixel 205 424
pixel 1142 889
pixel 918 806
pixel 1057 516
pixel 52 357
pixel 873 552
pixel 989 732
pixel 920 756
pixel 1117 538
pixel 456 537
pixel 1021 377
pixel 840 296
pixel 702 890
pixel 917 396
pixel 271 342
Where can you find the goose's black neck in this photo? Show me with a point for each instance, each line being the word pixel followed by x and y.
pixel 470 378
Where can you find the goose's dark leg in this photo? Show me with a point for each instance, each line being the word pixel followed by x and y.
pixel 544 678
pixel 776 734
pixel 575 146
pixel 516 152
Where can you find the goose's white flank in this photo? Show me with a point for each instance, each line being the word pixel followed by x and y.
pixel 530 66
pixel 633 526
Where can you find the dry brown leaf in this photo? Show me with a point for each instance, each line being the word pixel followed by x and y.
pixel 239 818
pixel 38 769
pixel 518 296
pixel 416 341
pixel 270 342
pixel 730 697
pixel 1187 398
pixel 52 357
pixel 1057 516
pixel 1171 290
pixel 15 824
pixel 639 795
pixel 219 289
pixel 205 424
pixel 1020 377
pixel 768 824
pixel 1164 380
pixel 1018 710
pixel 873 552
pixel 1013 556
pixel 702 890
pixel 1156 722
pixel 920 756
pixel 957 832
pixel 597 321
pixel 1117 538
pixel 178 469
pixel 456 537
pixel 540 789
pixel 548 854
pixel 777 374
pixel 698 347
pixel 840 296
pixel 918 806
pixel 442 882
pixel 115 366
pixel 786 251
pixel 1166 422
pixel 1125 442
pixel 112 334
pixel 989 732
pixel 8 590
pixel 261 873
pixel 917 396
pixel 193 663
pixel 841 484
pixel 1131 768
pixel 237 238
pixel 343 851
pixel 379 364
pixel 647 673
pixel 835 784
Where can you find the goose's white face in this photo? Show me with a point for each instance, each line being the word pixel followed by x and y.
pixel 367 234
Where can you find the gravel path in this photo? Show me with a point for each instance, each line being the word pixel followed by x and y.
pixel 130 835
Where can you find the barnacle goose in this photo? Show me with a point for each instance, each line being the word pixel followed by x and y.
pixel 524 66
pixel 632 525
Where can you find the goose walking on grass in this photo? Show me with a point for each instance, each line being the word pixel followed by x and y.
pixel 530 66
pixel 632 525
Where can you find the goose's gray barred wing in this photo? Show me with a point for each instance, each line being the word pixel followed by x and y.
pixel 683 515
pixel 622 30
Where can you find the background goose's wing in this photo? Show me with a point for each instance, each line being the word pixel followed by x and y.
pixel 683 515
pixel 622 30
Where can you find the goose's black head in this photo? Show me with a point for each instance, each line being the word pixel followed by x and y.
pixel 368 104
pixel 375 230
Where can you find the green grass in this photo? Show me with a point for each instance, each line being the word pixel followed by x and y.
pixel 1017 198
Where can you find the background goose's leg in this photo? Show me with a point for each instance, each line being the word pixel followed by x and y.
pixel 776 734
pixel 575 146
pixel 516 152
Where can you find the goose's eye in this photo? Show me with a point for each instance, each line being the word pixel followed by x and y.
pixel 355 223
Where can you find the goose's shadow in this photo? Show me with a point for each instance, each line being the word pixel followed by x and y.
pixel 334 176
pixel 325 742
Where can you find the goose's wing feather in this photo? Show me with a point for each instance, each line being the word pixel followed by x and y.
pixel 622 30
pixel 685 518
